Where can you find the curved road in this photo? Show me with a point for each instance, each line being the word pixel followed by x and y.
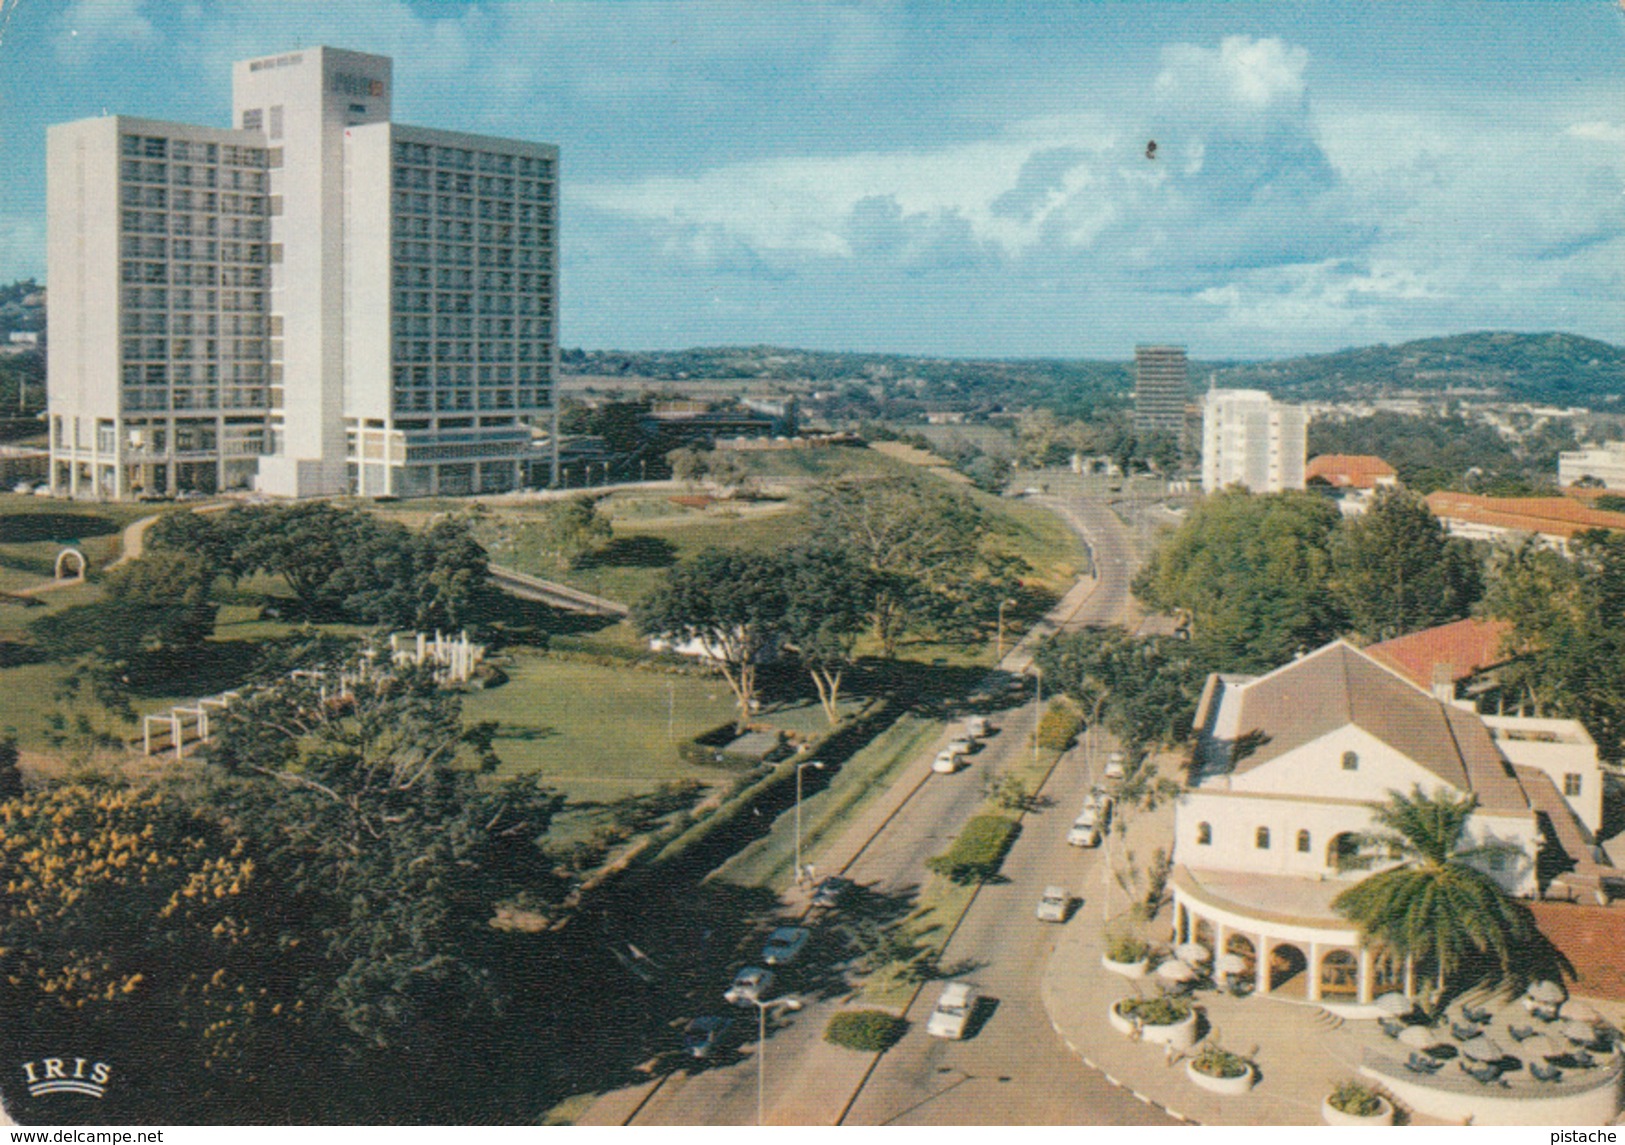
pixel 1015 1070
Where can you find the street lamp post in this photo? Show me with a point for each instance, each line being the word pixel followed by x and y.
pixel 800 767
pixel 1000 657
pixel 786 1002
pixel 1038 709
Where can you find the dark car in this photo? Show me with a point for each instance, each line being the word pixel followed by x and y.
pixel 703 1035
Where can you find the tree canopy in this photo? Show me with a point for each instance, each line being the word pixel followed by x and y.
pixel 1254 572
pixel 1395 570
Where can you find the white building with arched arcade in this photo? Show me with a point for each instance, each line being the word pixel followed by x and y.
pixel 1283 775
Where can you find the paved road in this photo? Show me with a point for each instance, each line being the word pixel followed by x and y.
pixel 1014 1070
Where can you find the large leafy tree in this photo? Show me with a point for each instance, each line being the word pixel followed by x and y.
pixel 1145 688
pixel 1568 631
pixel 919 542
pixel 388 845
pixel 732 603
pixel 826 595
pixel 1434 904
pixel 570 529
pixel 1254 573
pixel 1395 570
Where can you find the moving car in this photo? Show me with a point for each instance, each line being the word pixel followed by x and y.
pixel 784 945
pixel 953 1011
pixel 960 746
pixel 748 986
pixel 946 763
pixel 977 727
pixel 1052 906
pixel 828 893
pixel 703 1035
pixel 1114 765
pixel 1101 803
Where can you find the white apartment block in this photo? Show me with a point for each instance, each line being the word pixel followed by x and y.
pixel 317 301
pixel 1605 463
pixel 1249 439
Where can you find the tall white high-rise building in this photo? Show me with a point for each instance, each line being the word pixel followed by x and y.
pixel 1249 439
pixel 315 301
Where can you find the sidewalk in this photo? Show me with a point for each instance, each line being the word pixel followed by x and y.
pixel 1301 1050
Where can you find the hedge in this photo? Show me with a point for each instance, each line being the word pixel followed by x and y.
pixel 873 1031
pixel 1059 726
pixel 977 854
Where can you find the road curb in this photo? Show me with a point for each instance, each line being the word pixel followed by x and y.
pixel 1132 1092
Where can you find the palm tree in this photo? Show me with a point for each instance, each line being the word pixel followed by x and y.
pixel 1434 903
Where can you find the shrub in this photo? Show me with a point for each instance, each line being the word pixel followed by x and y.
pixel 1215 1061
pixel 1159 1011
pixel 1060 725
pixel 1355 1099
pixel 872 1031
pixel 976 855
pixel 1126 948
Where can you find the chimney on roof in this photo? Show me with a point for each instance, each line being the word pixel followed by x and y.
pixel 1444 682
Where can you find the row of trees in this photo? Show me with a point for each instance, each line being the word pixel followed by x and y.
pixel 1263 578
pixel 887 559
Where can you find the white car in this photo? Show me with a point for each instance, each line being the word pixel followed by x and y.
pixel 953 1011
pixel 946 763
pixel 1114 765
pixel 748 986
pixel 1101 803
pixel 959 746
pixel 1052 906
pixel 23 487
pixel 1085 830
pixel 784 944
pixel 977 727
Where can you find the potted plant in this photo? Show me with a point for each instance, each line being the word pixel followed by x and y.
pixel 1126 955
pixel 1219 1071
pixel 1160 1020
pixel 1355 1103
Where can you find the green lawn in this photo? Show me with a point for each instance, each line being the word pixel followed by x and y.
pixel 33 530
pixel 600 733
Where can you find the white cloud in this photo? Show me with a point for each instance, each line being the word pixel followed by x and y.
pixel 1600 130
pixel 91 25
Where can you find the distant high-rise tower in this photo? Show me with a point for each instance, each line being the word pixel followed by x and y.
pixel 1251 440
pixel 1160 388
pixel 313 301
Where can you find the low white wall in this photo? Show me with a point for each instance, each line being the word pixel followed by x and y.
pixel 1598 1105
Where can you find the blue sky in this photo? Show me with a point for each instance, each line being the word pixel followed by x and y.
pixel 965 178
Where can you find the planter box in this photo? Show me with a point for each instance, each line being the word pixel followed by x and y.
pixel 1383 1116
pixel 1228 1086
pixel 1181 1034
pixel 1126 969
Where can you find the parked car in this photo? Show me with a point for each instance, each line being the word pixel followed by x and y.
pixel 946 763
pixel 23 487
pixel 828 893
pixel 1115 765
pixel 1052 906
pixel 1085 830
pixel 784 945
pixel 703 1035
pixel 953 1011
pixel 1101 803
pixel 960 746
pixel 977 727
pixel 748 986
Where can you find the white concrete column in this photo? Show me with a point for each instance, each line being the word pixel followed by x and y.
pixel 1410 976
pixel 175 730
pixel 1261 964
pixel 1220 933
pixel 1314 972
pixel 1365 976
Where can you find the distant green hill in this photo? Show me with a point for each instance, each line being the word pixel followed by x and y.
pixel 1552 369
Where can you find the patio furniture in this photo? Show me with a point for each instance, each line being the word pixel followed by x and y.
pixel 1544 1072
pixel 1582 1060
pixel 1390 1027
pixel 1464 1033
pixel 1416 1063
pixel 1519 1033
pixel 1473 1014
pixel 1394 1004
pixel 1546 993
pixel 1483 1074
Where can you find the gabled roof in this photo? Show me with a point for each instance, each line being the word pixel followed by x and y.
pixel 1462 648
pixel 1551 516
pixel 1338 686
